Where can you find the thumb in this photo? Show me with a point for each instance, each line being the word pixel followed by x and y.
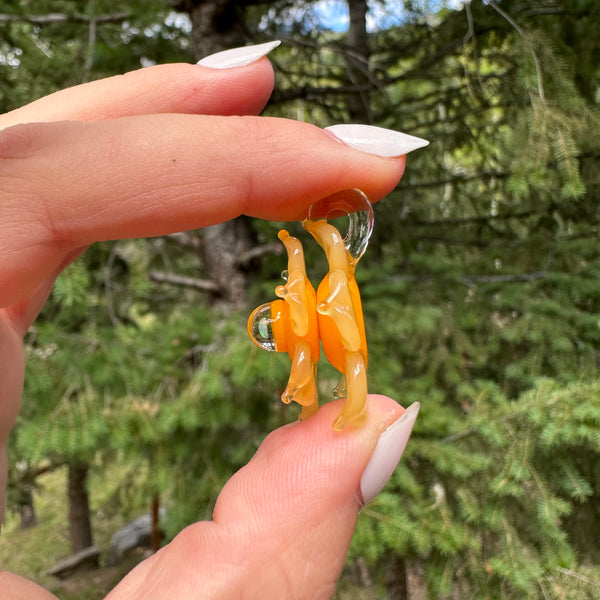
pixel 282 524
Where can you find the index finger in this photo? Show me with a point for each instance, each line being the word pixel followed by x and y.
pixel 68 184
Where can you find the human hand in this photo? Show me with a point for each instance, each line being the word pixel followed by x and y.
pixel 150 153
pixel 282 524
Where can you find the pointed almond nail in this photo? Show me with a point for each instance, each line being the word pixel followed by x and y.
pixel 387 454
pixel 376 140
pixel 237 57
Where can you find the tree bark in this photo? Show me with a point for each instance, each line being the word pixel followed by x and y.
pixel 156 535
pixel 222 245
pixel 215 27
pixel 216 24
pixel 27 513
pixel 80 529
pixel 416 585
pixel 357 62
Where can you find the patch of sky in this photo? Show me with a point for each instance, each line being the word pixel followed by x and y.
pixel 383 14
pixel 332 15
pixel 180 21
pixel 10 57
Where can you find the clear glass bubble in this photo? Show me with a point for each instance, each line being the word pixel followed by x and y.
pixel 341 389
pixel 259 328
pixel 285 275
pixel 356 206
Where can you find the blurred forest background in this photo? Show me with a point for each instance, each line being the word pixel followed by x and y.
pixel 480 287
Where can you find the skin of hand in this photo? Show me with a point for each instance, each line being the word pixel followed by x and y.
pixel 150 153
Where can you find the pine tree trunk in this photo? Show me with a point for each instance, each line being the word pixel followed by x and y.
pixel 156 535
pixel 215 26
pixel 416 585
pixel 357 62
pixel 222 245
pixel 27 514
pixel 80 529
pixel 396 584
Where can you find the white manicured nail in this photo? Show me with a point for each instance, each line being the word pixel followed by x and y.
pixel 387 454
pixel 238 57
pixel 376 140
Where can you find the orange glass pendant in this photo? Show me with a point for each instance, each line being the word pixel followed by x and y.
pixel 301 318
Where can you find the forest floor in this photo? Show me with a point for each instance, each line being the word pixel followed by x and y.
pixel 33 552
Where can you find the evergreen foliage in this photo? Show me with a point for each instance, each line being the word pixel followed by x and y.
pixel 480 289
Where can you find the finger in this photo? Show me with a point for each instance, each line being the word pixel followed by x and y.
pixel 173 88
pixel 12 371
pixel 282 525
pixel 15 587
pixel 66 185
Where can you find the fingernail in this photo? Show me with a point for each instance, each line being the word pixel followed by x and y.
pixel 387 454
pixel 376 140
pixel 238 57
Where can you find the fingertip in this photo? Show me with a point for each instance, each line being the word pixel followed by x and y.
pixel 328 166
pixel 240 91
pixel 194 89
pixel 385 409
pixel 306 464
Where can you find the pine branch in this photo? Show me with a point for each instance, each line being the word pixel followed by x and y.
pixel 64 17
pixel 484 176
pixel 471 281
pixel 186 239
pixel 475 219
pixel 91 50
pixel 534 55
pixel 554 11
pixel 258 251
pixel 306 92
pixel 457 179
pixel 450 92
pixel 477 243
pixel 204 285
pixel 504 278
pixel 579 576
pixel 31 475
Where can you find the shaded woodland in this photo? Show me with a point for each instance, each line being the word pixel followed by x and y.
pixel 480 287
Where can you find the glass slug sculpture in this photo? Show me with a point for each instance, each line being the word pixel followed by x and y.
pixel 300 320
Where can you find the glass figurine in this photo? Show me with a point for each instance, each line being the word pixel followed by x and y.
pixel 302 319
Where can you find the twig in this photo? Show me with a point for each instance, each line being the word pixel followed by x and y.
pixel 536 60
pixel 504 278
pixel 205 285
pixel 63 17
pixel 470 281
pixel 91 49
pixel 186 239
pixel 479 219
pixel 246 257
pixel 458 179
pixel 449 439
pixel 578 576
